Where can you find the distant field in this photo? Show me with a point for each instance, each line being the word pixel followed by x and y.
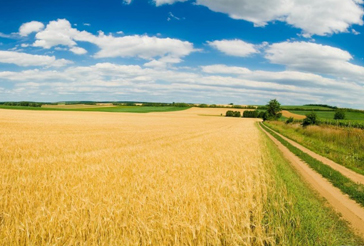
pixel 76 106
pixel 126 109
pixel 287 114
pixel 82 178
pixel 330 114
pixel 290 107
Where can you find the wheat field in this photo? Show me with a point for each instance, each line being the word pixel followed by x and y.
pixel 91 178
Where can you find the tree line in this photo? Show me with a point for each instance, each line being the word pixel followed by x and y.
pixel 23 104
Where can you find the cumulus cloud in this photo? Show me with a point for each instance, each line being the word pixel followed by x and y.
pixel 313 17
pixel 314 58
pixel 56 33
pixel 26 60
pixel 61 32
pixel 78 50
pixel 30 27
pixel 234 47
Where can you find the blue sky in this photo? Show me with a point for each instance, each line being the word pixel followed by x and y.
pixel 201 51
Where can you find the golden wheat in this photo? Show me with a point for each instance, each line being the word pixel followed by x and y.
pixel 90 178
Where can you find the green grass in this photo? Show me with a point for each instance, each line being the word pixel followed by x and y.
pixel 330 114
pixel 124 109
pixel 306 218
pixel 354 190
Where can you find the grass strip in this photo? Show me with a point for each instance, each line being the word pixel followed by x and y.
pixel 346 185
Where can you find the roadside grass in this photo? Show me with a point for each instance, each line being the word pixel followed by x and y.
pixel 121 109
pixel 342 145
pixel 306 218
pixel 347 186
pixel 330 114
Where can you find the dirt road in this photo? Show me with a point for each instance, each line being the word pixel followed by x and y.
pixel 349 209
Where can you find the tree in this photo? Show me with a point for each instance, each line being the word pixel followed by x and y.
pixel 311 119
pixel 339 115
pixel 274 109
pixel 231 113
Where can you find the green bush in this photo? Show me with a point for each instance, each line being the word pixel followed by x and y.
pixel 339 115
pixel 311 119
pixel 231 113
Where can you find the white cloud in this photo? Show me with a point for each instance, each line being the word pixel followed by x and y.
pixel 301 79
pixel 223 69
pixel 315 58
pixel 139 83
pixel 140 46
pixel 158 2
pixel 312 16
pixel 355 32
pixel 161 2
pixel 78 50
pixel 30 27
pixel 234 47
pixel 26 60
pixel 56 33
pixel 163 62
pixel 3 35
pixel 60 32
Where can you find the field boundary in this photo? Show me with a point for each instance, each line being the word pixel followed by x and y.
pixel 350 210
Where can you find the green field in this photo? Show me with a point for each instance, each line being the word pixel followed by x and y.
pixel 330 114
pixel 121 109
pixel 294 107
